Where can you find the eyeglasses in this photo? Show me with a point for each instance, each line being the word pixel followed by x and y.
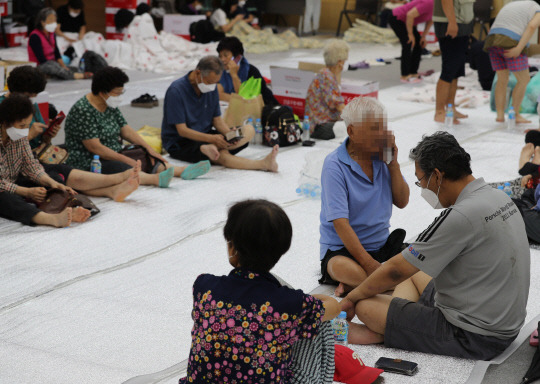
pixel 419 180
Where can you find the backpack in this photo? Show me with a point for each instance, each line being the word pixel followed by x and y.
pixel 93 62
pixel 203 32
pixel 280 126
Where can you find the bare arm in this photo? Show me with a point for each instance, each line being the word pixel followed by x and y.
pixel 218 140
pixel 94 146
pixel 409 22
pixel 354 246
pixel 390 274
pixel 448 9
pixel 133 137
pixel 527 34
pixel 227 27
pixel 423 42
pixel 82 32
pixel 331 307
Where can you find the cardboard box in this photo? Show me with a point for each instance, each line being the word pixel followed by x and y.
pixel 313 67
pixel 7 66
pixel 290 87
pixel 15 33
pixel 179 24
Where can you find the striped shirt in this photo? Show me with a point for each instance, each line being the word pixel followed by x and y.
pixel 16 158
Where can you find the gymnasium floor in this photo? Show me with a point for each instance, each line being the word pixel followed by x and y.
pixel 109 300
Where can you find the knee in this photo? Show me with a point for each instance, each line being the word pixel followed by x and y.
pixel 338 265
pixel 363 309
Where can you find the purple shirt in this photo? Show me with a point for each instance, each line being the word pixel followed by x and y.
pixel 424 7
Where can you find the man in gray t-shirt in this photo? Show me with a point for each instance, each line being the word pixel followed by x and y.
pixel 461 288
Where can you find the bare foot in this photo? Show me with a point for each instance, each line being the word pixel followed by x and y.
pixel 78 76
pixel 500 119
pixel 456 121
pixel 340 290
pixel 530 129
pixel 62 219
pixel 521 120
pixel 459 115
pixel 526 154
pixel 211 151
pixel 270 163
pixel 123 190
pixel 439 117
pixel 360 334
pixel 80 215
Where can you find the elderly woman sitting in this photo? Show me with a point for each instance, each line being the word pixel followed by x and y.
pixel 324 102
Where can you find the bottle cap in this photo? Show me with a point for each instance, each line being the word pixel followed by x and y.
pixel 96 157
pixel 306 117
pixel 507 184
pixel 258 120
pixel 342 315
pixel 500 187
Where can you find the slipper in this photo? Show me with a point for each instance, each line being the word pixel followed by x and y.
pixel 165 177
pixel 193 171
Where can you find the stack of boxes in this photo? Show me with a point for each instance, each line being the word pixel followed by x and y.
pixel 113 6
pixel 15 32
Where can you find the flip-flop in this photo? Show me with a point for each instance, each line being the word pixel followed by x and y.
pixel 165 177
pixel 193 171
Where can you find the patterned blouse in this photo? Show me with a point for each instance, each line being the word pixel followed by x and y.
pixel 84 122
pixel 244 326
pixel 16 158
pixel 323 98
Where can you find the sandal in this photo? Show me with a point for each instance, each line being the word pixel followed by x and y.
pixel 144 101
pixel 193 171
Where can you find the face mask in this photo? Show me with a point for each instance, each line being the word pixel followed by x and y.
pixel 74 14
pixel 198 7
pixel 16 133
pixel 51 27
pixel 205 88
pixel 431 197
pixel 241 3
pixel 114 101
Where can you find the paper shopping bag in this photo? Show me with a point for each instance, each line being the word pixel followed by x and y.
pixel 240 110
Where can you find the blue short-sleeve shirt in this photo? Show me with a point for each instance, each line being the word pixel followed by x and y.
pixel 183 106
pixel 348 193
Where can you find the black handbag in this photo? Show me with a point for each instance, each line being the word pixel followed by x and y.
pixel 138 152
pixel 280 126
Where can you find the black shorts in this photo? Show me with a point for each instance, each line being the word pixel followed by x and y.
pixel 422 327
pixel 393 246
pixel 58 172
pixel 109 167
pixel 190 150
pixel 454 55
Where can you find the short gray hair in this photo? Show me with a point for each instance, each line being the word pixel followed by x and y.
pixel 42 16
pixel 334 51
pixel 442 151
pixel 361 107
pixel 210 64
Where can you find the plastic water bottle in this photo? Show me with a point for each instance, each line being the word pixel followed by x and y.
pixel 82 66
pixel 250 121
pixel 507 189
pixel 306 134
pixel 511 119
pixel 501 187
pixel 95 165
pixel 258 132
pixel 449 117
pixel 341 329
pixel 304 190
pixel 315 192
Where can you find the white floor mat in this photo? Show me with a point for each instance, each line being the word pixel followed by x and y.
pixel 108 300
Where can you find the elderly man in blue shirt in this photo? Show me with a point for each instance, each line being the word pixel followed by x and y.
pixel 358 191
pixel 193 129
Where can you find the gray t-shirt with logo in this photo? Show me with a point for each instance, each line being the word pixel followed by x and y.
pixel 478 255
